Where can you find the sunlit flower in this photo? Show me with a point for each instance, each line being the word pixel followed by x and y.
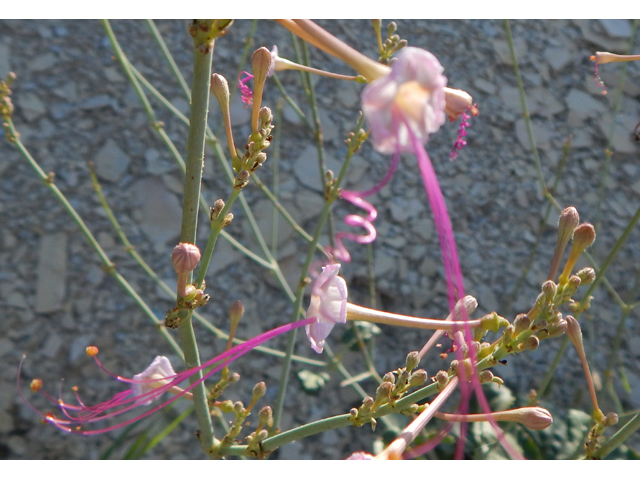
pixel 159 370
pixel 328 305
pixel 410 96
pixel 360 456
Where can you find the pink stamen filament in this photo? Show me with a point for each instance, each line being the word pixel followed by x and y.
pixel 462 132
pixel 97 412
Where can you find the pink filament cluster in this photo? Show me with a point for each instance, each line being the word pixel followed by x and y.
pixel 245 91
pixel 462 132
pixel 598 80
pixel 80 415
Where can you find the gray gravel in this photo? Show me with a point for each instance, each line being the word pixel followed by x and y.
pixel 74 105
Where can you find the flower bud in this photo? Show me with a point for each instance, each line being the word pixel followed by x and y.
pixel 227 406
pixel 535 418
pixel 573 330
pixel 442 378
pixel 418 378
pixel 242 178
pixel 486 376
pixel 265 116
pixel 214 212
pixel 569 220
pixel 226 221
pixel 583 236
pixel 493 322
pixel 261 64
pixel 586 275
pixel 220 89
pixel 185 257
pixel 521 323
pixel 238 407
pixel 265 415
pixel 531 343
pixel 258 392
pixel 453 368
pixel 549 289
pixel 389 377
pixel 236 311
pixel 557 329
pixel 234 377
pixel 383 391
pixel 611 419
pixel 413 359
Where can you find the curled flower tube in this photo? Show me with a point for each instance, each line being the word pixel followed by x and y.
pixel 145 388
pixel 328 305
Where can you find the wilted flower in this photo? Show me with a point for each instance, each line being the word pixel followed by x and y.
pixel 328 305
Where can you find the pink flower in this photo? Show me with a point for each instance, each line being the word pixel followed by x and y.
pixel 328 305
pixel 413 91
pixel 160 370
pixel 360 456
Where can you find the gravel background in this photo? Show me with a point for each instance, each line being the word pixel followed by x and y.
pixel 74 105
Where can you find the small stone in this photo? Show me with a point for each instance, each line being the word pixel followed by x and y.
pixel 5 65
pixel 156 165
pixel 349 94
pixel 485 86
pixel 52 345
pixel 51 273
pixel 113 75
pixel 616 28
pixel 5 346
pixel 31 106
pixel 43 62
pixel 240 112
pixel 160 211
pixel 96 101
pixel 540 134
pixel 502 49
pixel 78 347
pixel 111 162
pixel 558 57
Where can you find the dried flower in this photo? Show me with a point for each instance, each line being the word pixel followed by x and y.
pixel 328 305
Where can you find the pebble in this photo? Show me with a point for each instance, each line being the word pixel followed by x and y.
pixel 616 28
pixel 504 54
pixel 51 273
pixel 31 106
pixel 558 57
pixel 160 210
pixel 111 162
pixel 43 62
pixel 5 65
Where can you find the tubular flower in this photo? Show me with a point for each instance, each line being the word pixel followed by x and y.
pixel 147 386
pixel 328 305
pixel 413 91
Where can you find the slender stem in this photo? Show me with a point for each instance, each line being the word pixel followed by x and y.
pixel 168 57
pixel 291 103
pixel 286 367
pixel 190 207
pixel 525 109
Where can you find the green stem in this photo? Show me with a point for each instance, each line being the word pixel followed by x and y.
pixel 291 340
pixel 190 207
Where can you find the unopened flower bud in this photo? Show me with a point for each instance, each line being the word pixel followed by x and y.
pixel 583 236
pixel 453 367
pixel 531 343
pixel 91 350
pixel 228 218
pixel 507 335
pixel 549 289
pixel 220 89
pixel 389 377
pixel 258 392
pixel 265 415
pixel 261 435
pixel 214 212
pixel 241 179
pixel 265 116
pixel 486 376
pixel 383 391
pixel 586 275
pixel 236 311
pixel 367 402
pixel 573 330
pixel 419 377
pixel 611 419
pixel 413 359
pixel 535 418
pixel 185 257
pixel 442 378
pixel 238 407
pixel 261 64
pixel 403 378
pixel 569 219
pixel 521 323
pixel 36 384
pixel 557 329
pixel 234 377
pixel 227 406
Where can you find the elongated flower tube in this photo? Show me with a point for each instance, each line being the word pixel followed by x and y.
pixel 278 64
pixel 78 416
pixel 328 305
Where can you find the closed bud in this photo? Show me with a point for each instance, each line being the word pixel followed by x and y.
pixel 573 330
pixel 531 343
pixel 367 402
pixel 185 257
pixel 265 116
pixel 238 407
pixel 220 89
pixel 383 391
pixel 418 378
pixel 493 322
pixel 569 220
pixel 261 64
pixel 389 377
pixel 261 435
pixel 549 289
pixel 258 391
pixel 453 367
pixel 611 419
pixel 486 376
pixel 265 415
pixel 535 418
pixel 586 275
pixel 442 377
pixel 227 406
pixel 226 221
pixel 236 311
pixel 413 359
pixel 214 212
pixel 234 377
pixel 521 323
pixel 583 236
pixel 507 335
pixel 403 378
